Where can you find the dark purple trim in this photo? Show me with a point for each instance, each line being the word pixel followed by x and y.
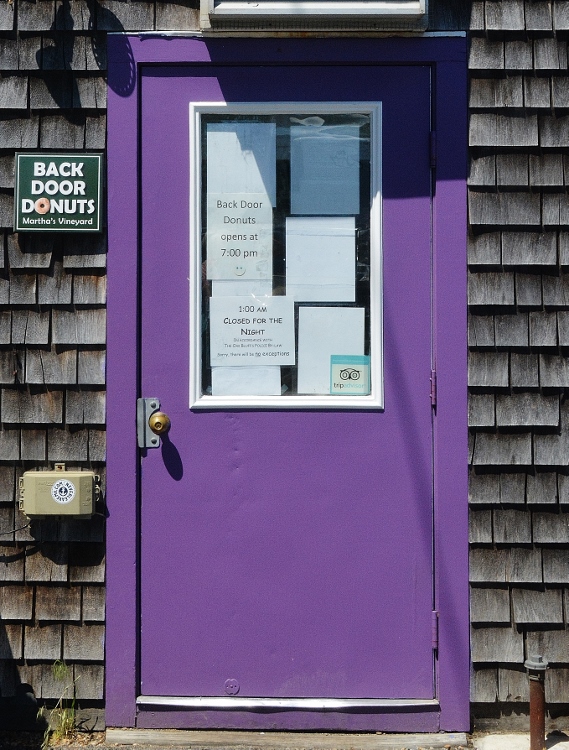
pixel 450 447
pixel 122 386
pixel 448 56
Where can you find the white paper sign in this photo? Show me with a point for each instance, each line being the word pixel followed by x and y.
pixel 246 381
pixel 239 236
pixel 323 332
pixel 251 331
pixel 242 158
pixel 321 259
pixel 325 170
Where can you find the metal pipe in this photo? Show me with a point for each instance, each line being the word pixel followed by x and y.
pixel 536 666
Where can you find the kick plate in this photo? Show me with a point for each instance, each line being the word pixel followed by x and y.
pixel 306 704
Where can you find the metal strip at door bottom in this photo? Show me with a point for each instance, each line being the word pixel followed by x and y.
pixel 302 704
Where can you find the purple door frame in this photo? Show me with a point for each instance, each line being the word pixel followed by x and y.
pixel 447 57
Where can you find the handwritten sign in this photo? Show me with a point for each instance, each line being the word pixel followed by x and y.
pixel 251 331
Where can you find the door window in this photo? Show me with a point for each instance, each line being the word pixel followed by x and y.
pixel 286 256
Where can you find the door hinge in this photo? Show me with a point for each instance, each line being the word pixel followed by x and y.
pixel 433 388
pixel 433 148
pixel 435 629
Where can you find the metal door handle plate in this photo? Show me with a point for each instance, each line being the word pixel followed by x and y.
pixel 151 423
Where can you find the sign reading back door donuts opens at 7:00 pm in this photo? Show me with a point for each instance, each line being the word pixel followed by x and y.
pixel 58 193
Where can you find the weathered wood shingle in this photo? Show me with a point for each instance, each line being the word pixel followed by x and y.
pixel 83 642
pixel 518 54
pixel 16 602
pixel 556 570
pixel 481 331
pixel 488 369
pixel 524 565
pixel 512 526
pixel 497 92
pixel 58 603
pixel 505 16
pixel 506 209
pixel 490 605
pixel 524 370
pixel 491 289
pixel 17 133
pixel 65 443
pixel 512 170
pixel 54 287
pixel 497 645
pixel 32 408
pixel 513 685
pixel 503 449
pixel 51 366
pixel 553 371
pixel 30 327
pixel 43 641
pixel 89 681
pixel 537 607
pixel 11 641
pixel 549 54
pixel 484 686
pixel 541 488
pixel 512 330
pixel 503 130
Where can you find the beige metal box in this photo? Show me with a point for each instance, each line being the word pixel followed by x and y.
pixel 58 493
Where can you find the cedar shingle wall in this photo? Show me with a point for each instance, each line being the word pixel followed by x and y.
pixel 518 340
pixel 52 359
pixel 52 338
pixel 52 334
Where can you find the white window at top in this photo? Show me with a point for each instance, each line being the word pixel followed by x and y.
pixel 301 13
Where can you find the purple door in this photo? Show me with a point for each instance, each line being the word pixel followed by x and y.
pixel 287 554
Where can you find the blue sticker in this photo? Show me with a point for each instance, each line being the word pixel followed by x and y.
pixel 349 375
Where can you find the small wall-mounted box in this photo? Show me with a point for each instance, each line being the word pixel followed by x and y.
pixel 59 493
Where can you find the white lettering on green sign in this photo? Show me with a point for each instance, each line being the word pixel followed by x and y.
pixel 58 192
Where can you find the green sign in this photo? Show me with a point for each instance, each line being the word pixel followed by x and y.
pixel 58 193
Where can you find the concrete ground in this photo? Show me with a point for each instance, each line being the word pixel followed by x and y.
pixel 557 740
pixel 125 740
pixel 239 740
pixel 117 739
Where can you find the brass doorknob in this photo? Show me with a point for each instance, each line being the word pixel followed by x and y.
pixel 159 423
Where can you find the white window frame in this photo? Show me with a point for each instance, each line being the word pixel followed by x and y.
pixel 198 400
pixel 405 10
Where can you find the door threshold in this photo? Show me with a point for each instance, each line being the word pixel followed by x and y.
pixel 213 740
pixel 306 704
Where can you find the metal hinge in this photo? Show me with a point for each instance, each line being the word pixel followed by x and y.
pixel 433 148
pixel 145 407
pixel 433 388
pixel 435 629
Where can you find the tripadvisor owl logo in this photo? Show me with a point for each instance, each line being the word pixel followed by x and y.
pixel 349 375
pixel 60 192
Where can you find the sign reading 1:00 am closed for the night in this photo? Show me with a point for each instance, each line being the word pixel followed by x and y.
pixel 58 192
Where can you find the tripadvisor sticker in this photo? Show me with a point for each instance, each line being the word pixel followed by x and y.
pixel 349 375
pixel 58 192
